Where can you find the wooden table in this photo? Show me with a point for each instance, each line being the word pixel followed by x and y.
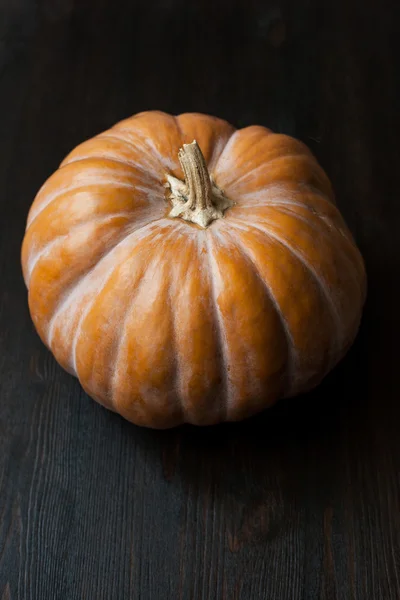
pixel 300 503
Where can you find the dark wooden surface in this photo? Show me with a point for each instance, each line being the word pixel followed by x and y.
pixel 300 503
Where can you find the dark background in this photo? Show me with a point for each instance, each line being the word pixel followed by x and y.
pixel 302 502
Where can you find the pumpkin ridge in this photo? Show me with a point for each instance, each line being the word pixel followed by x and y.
pixel 36 258
pixel 74 285
pixel 249 174
pixel 122 140
pixel 351 264
pixel 291 353
pixel 268 189
pixel 125 163
pixel 219 327
pixel 128 313
pixel 229 142
pixel 254 196
pixel 321 284
pixel 140 146
pixel 326 221
pixel 55 196
pixel 267 132
pixel 177 361
pixel 322 215
pixel 179 128
pixel 214 160
pixel 146 147
pixel 83 316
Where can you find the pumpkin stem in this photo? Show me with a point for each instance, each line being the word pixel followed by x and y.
pixel 196 176
pixel 198 199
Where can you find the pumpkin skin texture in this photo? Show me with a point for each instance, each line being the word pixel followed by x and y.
pixel 166 320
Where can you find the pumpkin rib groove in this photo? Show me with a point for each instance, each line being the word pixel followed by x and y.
pixel 212 164
pixel 71 287
pixel 321 284
pixel 89 307
pixel 122 140
pixel 229 142
pixel 125 321
pixel 179 127
pixel 268 163
pixel 85 188
pixel 124 163
pixel 83 316
pixel 145 146
pixel 74 285
pixel 219 326
pixel 266 203
pixel 279 187
pixel 351 264
pixel 62 237
pixel 56 196
pixel 150 163
pixel 119 344
pixel 291 355
pixel 326 221
pixel 177 362
pixel 140 187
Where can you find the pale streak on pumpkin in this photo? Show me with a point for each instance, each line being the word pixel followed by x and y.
pixel 215 288
pixel 198 365
pixel 81 180
pixel 253 173
pixel 295 365
pixel 274 159
pixel 305 198
pixel 52 229
pixel 346 316
pixel 256 146
pixel 46 250
pixel 122 178
pixel 254 349
pixel 129 242
pixel 241 142
pixel 324 215
pixel 321 226
pixel 134 132
pixel 162 149
pixel 94 151
pixel 146 270
pixel 291 369
pixel 91 282
pixel 339 288
pixel 201 348
pixel 299 255
pixel 324 226
pixel 75 204
pixel 193 381
pixel 95 353
pixel 145 364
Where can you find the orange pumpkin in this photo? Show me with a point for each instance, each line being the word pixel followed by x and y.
pixel 191 281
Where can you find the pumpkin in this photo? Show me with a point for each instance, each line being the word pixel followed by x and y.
pixel 186 271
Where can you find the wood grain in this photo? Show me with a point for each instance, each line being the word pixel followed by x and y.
pixel 301 502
